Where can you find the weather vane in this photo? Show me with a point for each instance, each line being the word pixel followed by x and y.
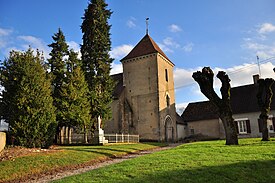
pixel 147 24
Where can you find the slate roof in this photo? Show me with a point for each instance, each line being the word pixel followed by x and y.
pixel 243 100
pixel 199 111
pixel 118 78
pixel 180 120
pixel 145 46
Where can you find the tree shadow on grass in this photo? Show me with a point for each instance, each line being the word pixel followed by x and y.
pixel 104 151
pixel 242 172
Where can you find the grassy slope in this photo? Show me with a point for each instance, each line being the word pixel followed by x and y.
pixel 66 157
pixel 251 161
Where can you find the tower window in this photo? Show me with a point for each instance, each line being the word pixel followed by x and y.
pixel 166 75
pixel 167 101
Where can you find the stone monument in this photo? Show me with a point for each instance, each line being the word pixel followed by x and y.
pixel 99 134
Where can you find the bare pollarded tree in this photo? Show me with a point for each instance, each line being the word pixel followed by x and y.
pixel 264 97
pixel 205 80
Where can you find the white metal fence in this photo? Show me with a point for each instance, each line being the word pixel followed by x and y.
pixel 79 138
pixel 121 138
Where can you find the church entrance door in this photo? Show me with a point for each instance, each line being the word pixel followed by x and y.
pixel 168 129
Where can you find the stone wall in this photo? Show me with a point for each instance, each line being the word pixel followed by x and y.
pixel 2 140
pixel 209 128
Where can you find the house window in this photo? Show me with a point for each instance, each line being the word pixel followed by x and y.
pixel 243 126
pixel 192 131
pixel 166 75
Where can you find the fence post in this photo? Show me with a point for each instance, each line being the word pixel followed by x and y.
pixel 122 138
pixel 128 138
pixel 116 137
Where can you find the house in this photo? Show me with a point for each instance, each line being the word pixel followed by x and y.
pixel 202 118
pixel 144 96
pixel 181 127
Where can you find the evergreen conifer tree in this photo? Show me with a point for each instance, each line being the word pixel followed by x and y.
pixel 96 61
pixel 75 104
pixel 26 99
pixel 57 71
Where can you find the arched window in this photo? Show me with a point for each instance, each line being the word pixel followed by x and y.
pixel 167 101
pixel 166 75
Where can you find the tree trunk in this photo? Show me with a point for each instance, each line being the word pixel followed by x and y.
pixel 264 97
pixel 265 132
pixel 205 81
pixel 230 130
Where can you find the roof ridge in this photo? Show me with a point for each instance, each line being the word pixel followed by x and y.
pixel 157 48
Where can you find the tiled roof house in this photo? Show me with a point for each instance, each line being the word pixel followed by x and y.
pixel 202 117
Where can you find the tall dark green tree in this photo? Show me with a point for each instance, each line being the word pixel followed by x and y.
pixel 75 103
pixel 26 99
pixel 96 61
pixel 57 70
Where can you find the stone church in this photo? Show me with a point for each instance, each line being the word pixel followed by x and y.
pixel 144 96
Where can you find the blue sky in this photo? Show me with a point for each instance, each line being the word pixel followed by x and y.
pixel 225 35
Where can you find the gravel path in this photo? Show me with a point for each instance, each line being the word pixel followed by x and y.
pixel 60 175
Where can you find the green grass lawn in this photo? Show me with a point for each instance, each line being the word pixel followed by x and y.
pixel 63 158
pixel 251 161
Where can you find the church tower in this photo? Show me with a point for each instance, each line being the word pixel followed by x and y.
pixel 148 96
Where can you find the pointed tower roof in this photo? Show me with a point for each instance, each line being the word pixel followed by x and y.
pixel 145 46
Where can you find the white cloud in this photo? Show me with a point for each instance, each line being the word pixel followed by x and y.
pixel 121 51
pixel 174 28
pixel 183 77
pixel 4 37
pixel 266 28
pixel 257 42
pixel 31 39
pixel 188 47
pixel 164 48
pixel 116 68
pixel 35 43
pixel 171 42
pixel 9 41
pixel 239 75
pixel 5 32
pixel 75 46
pixel 3 43
pixel 254 46
pixel 181 107
pixel 131 22
pixel 262 50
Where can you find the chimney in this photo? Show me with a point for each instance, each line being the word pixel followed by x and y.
pixel 256 77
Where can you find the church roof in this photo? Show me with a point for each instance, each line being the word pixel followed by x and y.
pixel 145 46
pixel 118 79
